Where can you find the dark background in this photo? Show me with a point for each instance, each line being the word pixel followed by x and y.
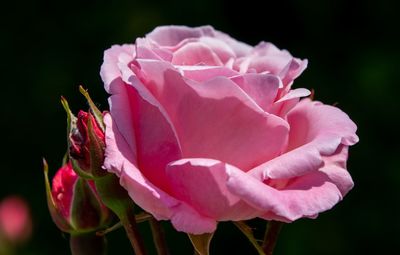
pixel 48 48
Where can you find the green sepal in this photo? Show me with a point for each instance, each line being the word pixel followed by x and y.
pixel 114 196
pixel 87 213
pixel 79 171
pixel 71 119
pixel 97 147
pixel 98 115
pixel 201 243
pixel 58 219
pixel 246 230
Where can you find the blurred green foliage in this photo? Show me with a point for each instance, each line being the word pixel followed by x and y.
pixel 48 48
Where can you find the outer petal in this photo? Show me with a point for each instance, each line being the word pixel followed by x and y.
pixel 148 196
pixel 316 132
pixel 143 123
pixel 335 168
pixel 305 197
pixel 172 35
pixel 119 159
pixel 110 72
pixel 313 120
pixel 201 183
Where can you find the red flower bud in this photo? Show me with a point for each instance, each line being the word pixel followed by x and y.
pixel 86 139
pixel 74 203
pixel 87 145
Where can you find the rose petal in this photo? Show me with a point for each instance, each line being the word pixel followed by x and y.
pixel 195 53
pixel 267 57
pixel 305 197
pixel 145 125
pixel 316 131
pixel 202 184
pixel 205 73
pixel 335 168
pixel 119 159
pixel 241 49
pixel 219 47
pixel 291 164
pixel 295 93
pixel 110 72
pixel 221 112
pixel 188 220
pixel 146 49
pixel 172 35
pixel 309 120
pixel 262 88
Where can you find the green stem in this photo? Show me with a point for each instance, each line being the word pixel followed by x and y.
pixel 158 237
pixel 117 199
pixel 271 236
pixel 130 226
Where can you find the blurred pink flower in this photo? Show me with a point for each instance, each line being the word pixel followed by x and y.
pixel 15 220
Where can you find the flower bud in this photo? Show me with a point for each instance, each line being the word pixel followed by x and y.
pixel 74 203
pixel 86 139
pixel 87 145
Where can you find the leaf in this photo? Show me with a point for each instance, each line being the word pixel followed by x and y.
pixel 201 243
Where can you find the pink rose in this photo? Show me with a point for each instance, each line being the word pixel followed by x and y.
pixel 203 128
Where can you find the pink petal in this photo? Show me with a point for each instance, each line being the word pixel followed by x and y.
pixel 110 72
pixel 205 73
pixel 290 164
pixel 219 47
pixel 295 93
pixel 241 49
pixel 311 120
pixel 188 220
pixel 144 193
pixel 156 141
pixel 195 53
pixel 335 168
pixel 172 35
pixel 146 49
pixel 120 160
pixel 293 70
pixel 305 197
pixel 317 131
pixel 262 88
pixel 220 112
pixel 144 124
pixel 267 57
pixel 201 183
